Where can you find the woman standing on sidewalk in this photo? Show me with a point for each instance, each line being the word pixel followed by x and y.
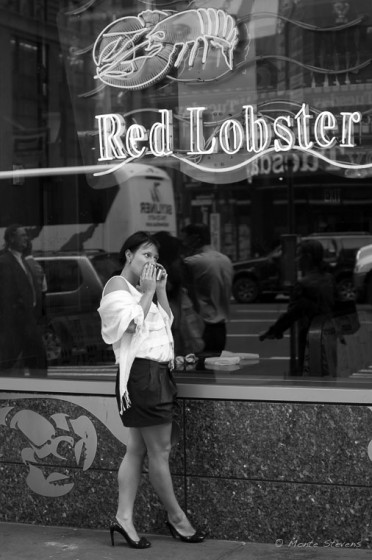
pixel 140 333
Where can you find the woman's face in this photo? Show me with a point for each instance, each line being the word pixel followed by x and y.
pixel 146 253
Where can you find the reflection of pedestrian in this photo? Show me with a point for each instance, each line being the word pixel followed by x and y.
pixel 140 333
pixel 170 258
pixel 38 274
pixel 313 296
pixel 210 275
pixel 20 334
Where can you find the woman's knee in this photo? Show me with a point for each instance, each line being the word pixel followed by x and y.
pixel 136 452
pixel 136 445
pixel 158 441
pixel 160 451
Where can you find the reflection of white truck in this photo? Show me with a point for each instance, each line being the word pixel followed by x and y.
pixel 144 201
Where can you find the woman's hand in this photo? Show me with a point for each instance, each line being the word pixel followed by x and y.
pixel 147 279
pixel 161 290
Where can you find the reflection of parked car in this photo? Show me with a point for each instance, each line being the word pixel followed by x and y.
pixel 261 278
pixel 256 278
pixel 363 274
pixel 74 287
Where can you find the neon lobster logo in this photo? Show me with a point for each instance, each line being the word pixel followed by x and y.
pixel 55 438
pixel 133 53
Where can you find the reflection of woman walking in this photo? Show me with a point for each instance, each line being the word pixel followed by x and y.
pixel 313 296
pixel 140 333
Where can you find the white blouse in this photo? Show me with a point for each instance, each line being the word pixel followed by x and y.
pixel 152 338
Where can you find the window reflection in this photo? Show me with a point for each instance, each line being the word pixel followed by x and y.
pixel 289 55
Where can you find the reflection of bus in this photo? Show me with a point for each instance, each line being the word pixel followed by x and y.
pixel 141 198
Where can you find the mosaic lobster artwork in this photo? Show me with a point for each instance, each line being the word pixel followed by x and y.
pixel 133 53
pixel 45 439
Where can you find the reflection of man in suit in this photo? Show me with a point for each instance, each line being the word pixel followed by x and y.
pixel 20 334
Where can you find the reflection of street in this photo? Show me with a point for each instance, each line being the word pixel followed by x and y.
pixel 246 322
pixel 354 358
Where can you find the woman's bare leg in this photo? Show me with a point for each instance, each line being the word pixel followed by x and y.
pixel 158 443
pixel 129 477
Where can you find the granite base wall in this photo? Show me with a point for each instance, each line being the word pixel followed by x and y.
pixel 252 471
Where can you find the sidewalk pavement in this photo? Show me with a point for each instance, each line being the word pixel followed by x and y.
pixel 36 542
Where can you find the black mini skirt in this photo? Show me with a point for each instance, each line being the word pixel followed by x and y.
pixel 152 392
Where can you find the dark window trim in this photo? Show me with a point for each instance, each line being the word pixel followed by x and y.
pixel 274 393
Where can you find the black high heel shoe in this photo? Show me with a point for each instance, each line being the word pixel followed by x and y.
pixel 197 537
pixel 142 543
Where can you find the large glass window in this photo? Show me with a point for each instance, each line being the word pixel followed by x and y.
pixel 252 117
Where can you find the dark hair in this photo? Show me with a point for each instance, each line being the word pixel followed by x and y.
pixel 169 247
pixel 134 241
pixel 10 231
pixel 314 249
pixel 200 232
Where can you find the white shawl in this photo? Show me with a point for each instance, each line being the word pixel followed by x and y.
pixel 117 311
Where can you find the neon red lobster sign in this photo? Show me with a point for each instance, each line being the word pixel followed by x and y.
pixel 135 52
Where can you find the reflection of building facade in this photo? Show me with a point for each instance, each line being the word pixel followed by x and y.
pixel 323 202
pixel 287 56
pixel 325 198
pixel 214 124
